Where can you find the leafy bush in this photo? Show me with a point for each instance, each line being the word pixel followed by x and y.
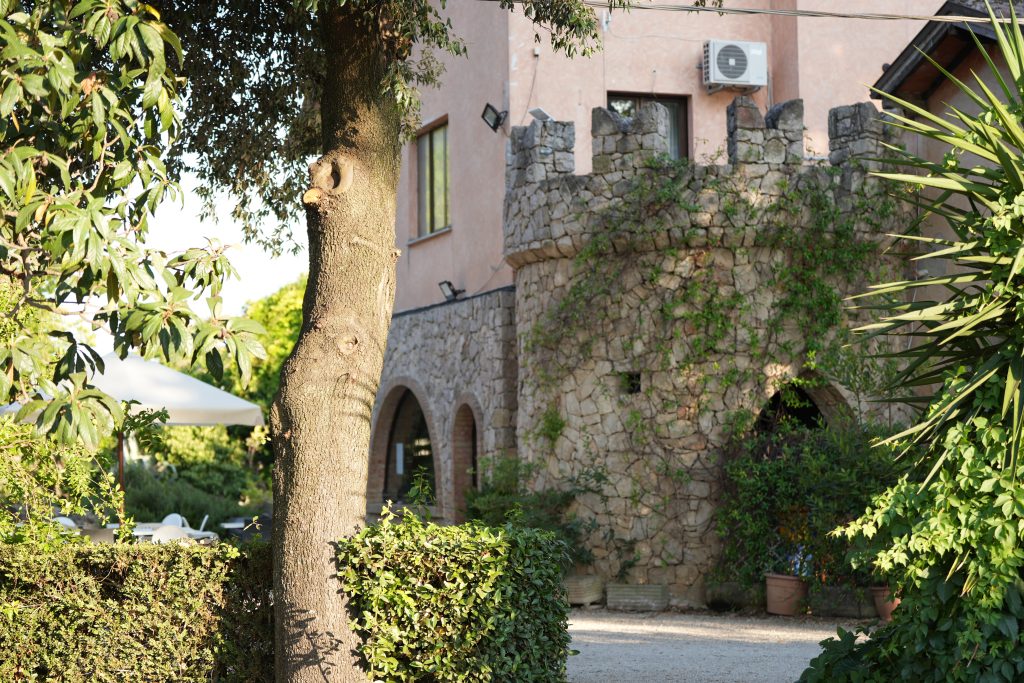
pixel 40 477
pixel 457 603
pixel 784 492
pixel 125 612
pixel 504 499
pixel 150 496
pixel 212 460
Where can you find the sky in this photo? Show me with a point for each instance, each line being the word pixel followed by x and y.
pixel 177 227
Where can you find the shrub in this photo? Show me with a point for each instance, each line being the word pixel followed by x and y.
pixel 213 460
pixel 124 612
pixel 457 603
pixel 504 499
pixel 951 544
pixel 784 492
pixel 40 477
pixel 150 496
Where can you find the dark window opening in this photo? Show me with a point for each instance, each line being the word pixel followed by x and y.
pixel 626 104
pixel 630 382
pixel 789 405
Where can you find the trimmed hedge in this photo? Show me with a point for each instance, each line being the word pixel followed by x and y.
pixel 457 603
pixel 127 612
pixel 433 603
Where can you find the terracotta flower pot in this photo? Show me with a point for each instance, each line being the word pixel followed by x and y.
pixel 785 595
pixel 884 603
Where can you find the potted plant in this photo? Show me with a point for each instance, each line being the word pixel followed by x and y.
pixel 885 602
pixel 786 588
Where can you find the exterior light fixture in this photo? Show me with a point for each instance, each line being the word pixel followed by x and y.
pixel 541 115
pixel 492 117
pixel 449 291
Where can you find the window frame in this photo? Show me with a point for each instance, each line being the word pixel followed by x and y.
pixel 683 118
pixel 425 217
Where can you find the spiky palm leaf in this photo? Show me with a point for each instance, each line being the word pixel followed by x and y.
pixel 976 335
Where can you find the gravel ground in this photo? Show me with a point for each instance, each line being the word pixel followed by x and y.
pixel 692 648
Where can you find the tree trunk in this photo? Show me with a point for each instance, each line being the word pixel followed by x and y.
pixel 321 417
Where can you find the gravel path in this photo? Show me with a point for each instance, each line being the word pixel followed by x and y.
pixel 692 648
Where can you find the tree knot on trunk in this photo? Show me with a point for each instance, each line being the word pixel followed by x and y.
pixel 330 174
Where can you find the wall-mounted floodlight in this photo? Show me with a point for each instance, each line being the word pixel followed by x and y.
pixel 492 117
pixel 449 291
pixel 541 115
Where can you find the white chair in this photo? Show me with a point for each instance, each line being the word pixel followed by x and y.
pixel 169 534
pixel 202 525
pixel 66 522
pixel 174 519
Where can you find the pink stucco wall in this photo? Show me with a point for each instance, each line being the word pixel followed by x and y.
pixel 470 254
pixel 827 62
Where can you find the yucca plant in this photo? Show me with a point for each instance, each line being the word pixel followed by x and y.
pixel 975 335
pixel 948 539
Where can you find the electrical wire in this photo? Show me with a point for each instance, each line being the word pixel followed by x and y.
pixel 815 14
pixel 533 84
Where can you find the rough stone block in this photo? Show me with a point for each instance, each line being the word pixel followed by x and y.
pixel 565 162
pixel 743 113
pixel 787 115
pixel 774 151
pixel 605 122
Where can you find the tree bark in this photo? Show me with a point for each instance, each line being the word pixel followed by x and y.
pixel 321 417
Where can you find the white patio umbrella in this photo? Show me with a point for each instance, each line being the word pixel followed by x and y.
pixel 187 400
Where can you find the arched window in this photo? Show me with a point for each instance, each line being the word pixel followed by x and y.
pixel 410 452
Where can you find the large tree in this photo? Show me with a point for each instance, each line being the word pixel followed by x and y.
pixel 273 84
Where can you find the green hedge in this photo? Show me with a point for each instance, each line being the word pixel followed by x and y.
pixel 457 603
pixel 433 603
pixel 85 613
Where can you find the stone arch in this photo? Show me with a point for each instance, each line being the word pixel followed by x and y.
pixel 394 392
pixel 825 402
pixel 467 447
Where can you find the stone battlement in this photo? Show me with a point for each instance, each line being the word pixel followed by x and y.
pixel 547 206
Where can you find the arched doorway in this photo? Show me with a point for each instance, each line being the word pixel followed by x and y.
pixel 790 404
pixel 465 458
pixel 410 452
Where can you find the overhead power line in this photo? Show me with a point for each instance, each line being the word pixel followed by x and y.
pixel 817 14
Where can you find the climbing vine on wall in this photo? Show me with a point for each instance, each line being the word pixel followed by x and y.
pixel 706 277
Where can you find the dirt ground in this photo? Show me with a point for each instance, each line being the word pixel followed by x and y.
pixel 692 648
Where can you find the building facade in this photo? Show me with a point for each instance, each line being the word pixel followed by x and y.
pixel 502 218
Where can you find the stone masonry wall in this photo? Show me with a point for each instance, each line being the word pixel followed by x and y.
pixel 451 355
pixel 641 409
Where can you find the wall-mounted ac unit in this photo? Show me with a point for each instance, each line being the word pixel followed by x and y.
pixel 735 64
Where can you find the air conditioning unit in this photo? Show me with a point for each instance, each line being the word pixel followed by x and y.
pixel 735 64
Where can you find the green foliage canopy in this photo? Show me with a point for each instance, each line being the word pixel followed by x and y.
pixel 88 111
pixel 255 79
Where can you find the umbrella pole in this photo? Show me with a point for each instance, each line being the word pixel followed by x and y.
pixel 120 460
